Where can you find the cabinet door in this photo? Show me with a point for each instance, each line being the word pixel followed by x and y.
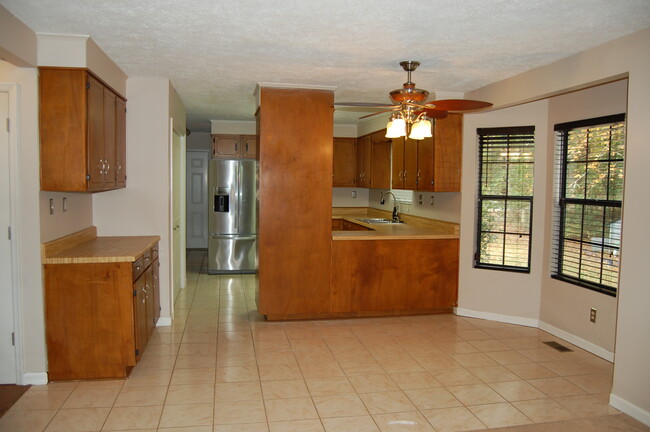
pixel 155 266
pixel 364 161
pixel 149 300
pixel 447 153
pixel 397 181
pixel 380 169
pixel 345 162
pixel 249 146
pixel 410 164
pixel 140 315
pixel 425 164
pixel 120 143
pixel 95 113
pixel 226 146
pixel 110 135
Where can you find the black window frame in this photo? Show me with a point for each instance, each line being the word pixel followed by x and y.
pixel 562 131
pixel 483 134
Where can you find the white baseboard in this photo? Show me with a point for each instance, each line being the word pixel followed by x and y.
pixel 630 409
pixel 164 322
pixel 528 322
pixel 35 378
pixel 578 341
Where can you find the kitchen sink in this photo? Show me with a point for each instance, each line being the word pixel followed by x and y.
pixel 378 221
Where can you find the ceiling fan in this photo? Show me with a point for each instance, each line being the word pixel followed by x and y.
pixel 411 113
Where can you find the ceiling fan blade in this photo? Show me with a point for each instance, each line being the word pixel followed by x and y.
pixel 364 104
pixel 374 114
pixel 460 104
pixel 433 113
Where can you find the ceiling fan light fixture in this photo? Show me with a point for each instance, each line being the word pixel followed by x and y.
pixel 396 127
pixel 421 129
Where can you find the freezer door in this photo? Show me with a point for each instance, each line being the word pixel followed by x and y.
pixel 223 196
pixel 232 254
pixel 248 180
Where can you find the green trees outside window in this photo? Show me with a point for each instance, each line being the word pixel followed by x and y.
pixel 505 198
pixel 591 155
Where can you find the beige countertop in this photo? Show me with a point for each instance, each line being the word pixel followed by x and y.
pixel 85 247
pixel 402 231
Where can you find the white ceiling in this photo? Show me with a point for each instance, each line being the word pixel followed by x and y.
pixel 215 51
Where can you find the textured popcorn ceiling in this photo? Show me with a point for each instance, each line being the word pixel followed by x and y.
pixel 215 51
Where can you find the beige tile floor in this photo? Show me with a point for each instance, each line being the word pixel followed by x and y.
pixel 221 368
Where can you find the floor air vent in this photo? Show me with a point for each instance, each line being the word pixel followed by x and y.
pixel 558 346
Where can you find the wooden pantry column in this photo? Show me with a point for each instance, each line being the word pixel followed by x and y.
pixel 295 128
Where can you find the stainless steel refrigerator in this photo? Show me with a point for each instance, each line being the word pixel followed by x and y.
pixel 232 220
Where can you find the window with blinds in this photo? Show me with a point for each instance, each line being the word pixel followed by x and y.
pixel 587 223
pixel 505 198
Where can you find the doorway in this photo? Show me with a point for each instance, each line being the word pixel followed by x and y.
pixel 8 373
pixel 178 269
pixel 197 199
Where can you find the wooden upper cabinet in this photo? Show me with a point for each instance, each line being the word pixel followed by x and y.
pixel 81 126
pixel 120 143
pixel 234 146
pixel 249 146
pixel 432 164
pixel 226 146
pixel 447 153
pixel 405 164
pixel 364 157
pixel 380 161
pixel 345 162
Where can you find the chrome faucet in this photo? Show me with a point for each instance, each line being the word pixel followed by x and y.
pixel 382 201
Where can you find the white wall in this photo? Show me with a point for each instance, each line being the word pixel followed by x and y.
pixel 626 56
pixel 144 204
pixel 516 296
pixel 27 230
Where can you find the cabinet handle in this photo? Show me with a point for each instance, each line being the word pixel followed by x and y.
pixel 101 161
pixel 118 165
pixel 236 146
pixel 247 147
pixel 108 167
pixel 401 175
pixel 404 175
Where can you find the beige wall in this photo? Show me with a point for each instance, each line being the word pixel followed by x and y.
pixel 17 41
pixel 27 229
pixel 567 306
pixel 513 296
pixel 626 56
pixel 199 141
pixel 82 52
pixel 79 214
pixel 144 204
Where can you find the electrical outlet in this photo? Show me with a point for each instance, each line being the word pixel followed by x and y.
pixel 420 199
pixel 51 206
pixel 64 205
pixel 592 315
pixel 354 194
pixel 431 200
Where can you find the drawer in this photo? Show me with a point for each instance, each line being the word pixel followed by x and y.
pixel 138 267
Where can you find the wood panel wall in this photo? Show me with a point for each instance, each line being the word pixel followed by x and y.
pixel 295 130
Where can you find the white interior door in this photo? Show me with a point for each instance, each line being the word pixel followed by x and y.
pixel 7 349
pixel 197 198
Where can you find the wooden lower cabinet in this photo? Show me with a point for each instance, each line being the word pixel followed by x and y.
pixel 384 277
pixel 99 316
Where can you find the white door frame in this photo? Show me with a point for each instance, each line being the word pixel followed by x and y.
pixel 14 200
